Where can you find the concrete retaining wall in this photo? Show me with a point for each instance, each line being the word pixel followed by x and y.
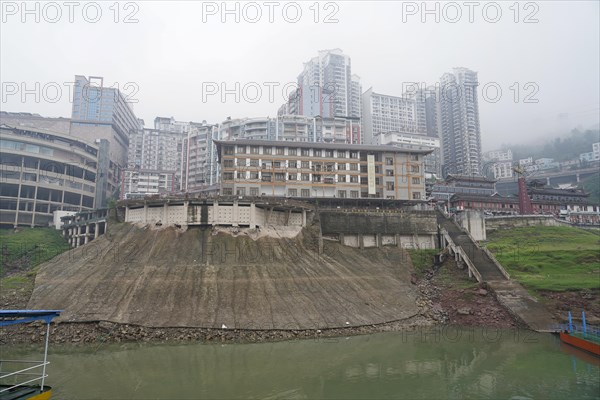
pixel 507 222
pixel 235 214
pixel 406 223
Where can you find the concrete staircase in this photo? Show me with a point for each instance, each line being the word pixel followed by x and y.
pixel 509 293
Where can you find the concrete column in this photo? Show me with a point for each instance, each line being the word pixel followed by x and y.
pixel 186 209
pixel 378 240
pixel 165 217
pixel 215 213
pixel 235 214
pixel 548 181
pixel 287 217
pixel 361 241
pixel 96 230
pixel 341 237
pixel 397 238
pixel 303 218
pixel 86 238
pixel 577 175
pixel 78 233
pixel 126 213
pixel 252 215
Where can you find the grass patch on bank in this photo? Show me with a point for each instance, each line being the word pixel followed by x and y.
pixel 26 248
pixel 554 258
pixel 422 259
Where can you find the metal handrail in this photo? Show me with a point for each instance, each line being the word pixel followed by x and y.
pixel 26 382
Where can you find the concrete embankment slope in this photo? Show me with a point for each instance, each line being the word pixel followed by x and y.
pixel 200 278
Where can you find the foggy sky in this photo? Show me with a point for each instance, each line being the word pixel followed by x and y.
pixel 170 53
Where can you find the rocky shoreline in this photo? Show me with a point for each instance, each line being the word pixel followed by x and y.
pixel 447 298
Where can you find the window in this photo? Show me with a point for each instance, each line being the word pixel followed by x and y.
pixel 354 194
pixel 341 154
pixel 416 195
pixel 389 172
pixel 229 150
pixel 240 191
pixel 353 178
pixel 267 150
pixel 305 165
pixel 316 178
pixel 416 181
pixel 305 192
pixel 276 164
pixel 253 149
pixel 292 177
pixel 227 191
pixel 341 178
pixel 253 191
pixel 228 176
pixel 254 163
pixel 317 153
pixel 354 154
pixel 253 175
pixel 329 153
pixel 228 163
pixel 364 180
pixel 280 177
pixel 389 186
pixel 280 151
pixel 389 161
pixel 305 152
pixel 341 194
pixel 241 149
pixel 305 177
pixel 353 167
pixel 414 168
pixel 292 152
pixel 293 192
pixel 266 177
pixel 293 164
pixel 414 157
pixel 341 167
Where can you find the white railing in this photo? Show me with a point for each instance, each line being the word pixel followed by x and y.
pixel 39 364
pixel 23 373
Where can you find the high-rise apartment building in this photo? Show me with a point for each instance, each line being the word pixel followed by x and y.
pixel 98 113
pixel 459 121
pixel 384 113
pixel 326 88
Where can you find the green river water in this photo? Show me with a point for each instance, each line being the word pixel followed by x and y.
pixel 442 364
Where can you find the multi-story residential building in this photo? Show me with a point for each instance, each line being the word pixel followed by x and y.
pixel 326 88
pixel 199 160
pixel 383 113
pixel 498 163
pixel 498 155
pixel 432 162
pixel 42 171
pixel 459 118
pixel 297 128
pixel 156 150
pixel 100 112
pixel 304 169
pixel 171 125
pixel 138 183
pixel 593 155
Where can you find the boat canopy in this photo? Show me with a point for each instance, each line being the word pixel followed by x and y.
pixel 12 317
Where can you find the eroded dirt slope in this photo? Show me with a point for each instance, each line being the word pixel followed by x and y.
pixel 170 278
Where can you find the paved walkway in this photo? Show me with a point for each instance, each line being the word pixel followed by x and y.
pixel 509 293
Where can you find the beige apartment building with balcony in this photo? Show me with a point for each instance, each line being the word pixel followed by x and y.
pixel 307 169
